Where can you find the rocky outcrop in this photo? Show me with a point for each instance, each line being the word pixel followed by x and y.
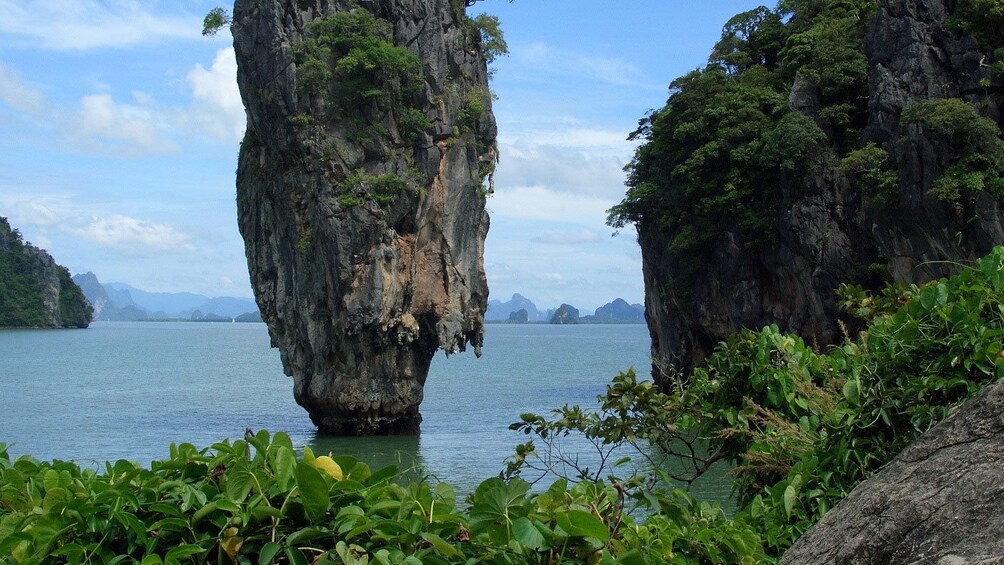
pixel 498 310
pixel 939 501
pixel 620 311
pixel 361 196
pixel 520 316
pixel 34 290
pixel 565 314
pixel 829 231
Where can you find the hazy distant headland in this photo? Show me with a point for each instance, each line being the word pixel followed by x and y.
pixel 35 291
pixel 521 310
pixel 122 302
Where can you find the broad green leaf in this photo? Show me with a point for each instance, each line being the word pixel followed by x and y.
pixel 313 490
pixel 180 552
pixel 582 523
pixel 442 545
pixel 268 552
pixel 527 534
pixel 296 556
pixel 281 439
pixel 852 391
pixel 633 557
pixel 498 502
pixel 307 534
pixel 284 463
pixel 239 484
pixel 790 497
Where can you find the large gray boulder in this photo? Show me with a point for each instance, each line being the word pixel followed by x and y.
pixel 940 501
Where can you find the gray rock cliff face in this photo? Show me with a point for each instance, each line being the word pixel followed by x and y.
pixel 828 232
pixel 939 501
pixel 360 284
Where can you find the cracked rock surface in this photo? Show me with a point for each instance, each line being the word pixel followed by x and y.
pixel 940 501
pixel 359 283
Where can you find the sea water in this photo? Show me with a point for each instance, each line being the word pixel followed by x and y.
pixel 126 390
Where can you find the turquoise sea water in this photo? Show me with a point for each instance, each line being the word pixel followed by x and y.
pixel 126 390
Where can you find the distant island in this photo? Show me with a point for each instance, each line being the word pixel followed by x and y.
pixel 35 291
pixel 521 310
pixel 123 302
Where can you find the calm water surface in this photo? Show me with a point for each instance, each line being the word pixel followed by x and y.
pixel 126 390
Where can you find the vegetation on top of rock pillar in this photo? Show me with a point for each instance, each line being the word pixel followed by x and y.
pixel 719 156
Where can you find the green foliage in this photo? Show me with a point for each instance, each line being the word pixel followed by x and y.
pixel 750 39
pixel 982 19
pixel 488 30
pixel 973 144
pixel 717 157
pixel 800 428
pixel 74 309
pixel 866 168
pixel 215 20
pixel 255 500
pixel 360 186
pixel 22 302
pixel 712 161
pixel 349 60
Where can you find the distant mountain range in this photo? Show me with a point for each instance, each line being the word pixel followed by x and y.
pixel 520 309
pixel 123 302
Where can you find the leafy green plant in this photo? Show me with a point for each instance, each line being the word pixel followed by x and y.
pixel 488 30
pixel 973 144
pixel 867 167
pixel 360 185
pixel 800 428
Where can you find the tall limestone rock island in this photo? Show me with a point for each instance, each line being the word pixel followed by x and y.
pixel 361 190
pixel 825 143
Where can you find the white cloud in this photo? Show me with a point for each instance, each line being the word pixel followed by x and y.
pixel 132 129
pixel 131 235
pixel 218 109
pixel 608 70
pixel 16 94
pixel 61 214
pixel 567 238
pixel 542 203
pixel 90 24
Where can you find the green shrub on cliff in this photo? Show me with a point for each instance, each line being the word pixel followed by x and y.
pixel 717 157
pixel 972 143
pixel 800 428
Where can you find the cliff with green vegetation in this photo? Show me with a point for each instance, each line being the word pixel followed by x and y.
pixel 826 141
pixel 361 188
pixel 35 292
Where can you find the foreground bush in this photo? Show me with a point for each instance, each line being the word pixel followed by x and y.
pixel 256 501
pixel 799 427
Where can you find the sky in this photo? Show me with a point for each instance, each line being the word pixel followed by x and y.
pixel 120 126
